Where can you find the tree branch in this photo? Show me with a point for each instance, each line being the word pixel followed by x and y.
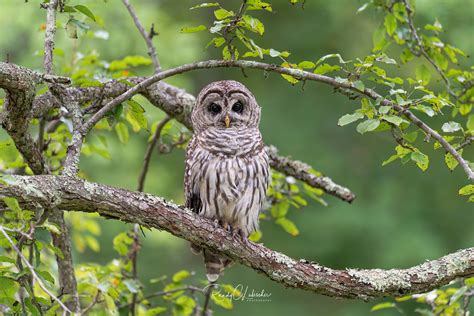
pixel 146 36
pixel 178 104
pixel 67 278
pixel 73 194
pixel 297 73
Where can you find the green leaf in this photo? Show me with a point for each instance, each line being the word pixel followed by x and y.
pixel 205 5
pixel 359 85
pixel 222 300
pixel 470 122
pixel 180 276
pixel 467 190
pixel 451 127
pixel 136 116
pixel 367 126
pixel 326 68
pixel 122 132
pixel 280 209
pixel 338 56
pixel 390 24
pixel 12 204
pixel 451 163
pixel 255 236
pixel 253 24
pixel 45 275
pixel 186 304
pixel 274 53
pixel 423 74
pixel 406 56
pixel 306 65
pixel 132 285
pixel 288 226
pixel 155 311
pixel 469 281
pixel 378 39
pixel 193 29
pixel 71 29
pixel 8 287
pixel 121 243
pixel 349 118
pixel 422 160
pixel 221 14
pixel 289 78
pixel 382 306
pixel 85 10
pixel 226 55
pixel 396 120
pixel 7 259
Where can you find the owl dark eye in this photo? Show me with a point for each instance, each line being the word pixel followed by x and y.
pixel 238 107
pixel 214 108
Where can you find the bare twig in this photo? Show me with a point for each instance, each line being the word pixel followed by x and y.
pixel 207 299
pixel 164 293
pixel 465 143
pixel 148 37
pixel 49 36
pixel 32 271
pixel 95 300
pixel 149 151
pixel 422 49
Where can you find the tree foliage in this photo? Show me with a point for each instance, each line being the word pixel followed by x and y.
pixel 408 108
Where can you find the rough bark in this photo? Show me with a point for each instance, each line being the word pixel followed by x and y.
pixel 73 194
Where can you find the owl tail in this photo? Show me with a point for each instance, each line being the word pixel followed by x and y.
pixel 215 264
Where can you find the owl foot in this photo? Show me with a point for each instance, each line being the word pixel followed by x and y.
pixel 239 232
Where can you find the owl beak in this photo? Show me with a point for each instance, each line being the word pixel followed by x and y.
pixel 227 120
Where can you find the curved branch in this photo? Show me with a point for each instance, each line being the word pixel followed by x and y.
pixel 73 194
pixel 178 103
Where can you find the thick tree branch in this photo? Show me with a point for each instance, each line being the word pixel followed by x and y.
pixel 73 194
pixel 20 84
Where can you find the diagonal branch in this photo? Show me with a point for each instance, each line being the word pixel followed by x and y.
pixel 73 194
pixel 146 36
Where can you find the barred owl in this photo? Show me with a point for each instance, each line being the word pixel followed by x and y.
pixel 227 171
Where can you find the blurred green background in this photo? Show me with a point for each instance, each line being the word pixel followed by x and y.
pixel 401 216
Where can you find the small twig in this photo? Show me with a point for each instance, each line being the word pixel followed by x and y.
pixel 147 37
pixel 205 307
pixel 149 151
pixel 92 304
pixel 164 293
pixel 32 271
pixel 465 143
pixel 422 49
pixel 49 36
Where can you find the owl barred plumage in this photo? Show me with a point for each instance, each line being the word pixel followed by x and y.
pixel 227 171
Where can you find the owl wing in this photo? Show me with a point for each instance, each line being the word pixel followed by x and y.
pixel 193 200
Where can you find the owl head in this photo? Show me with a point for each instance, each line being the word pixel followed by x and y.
pixel 225 104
